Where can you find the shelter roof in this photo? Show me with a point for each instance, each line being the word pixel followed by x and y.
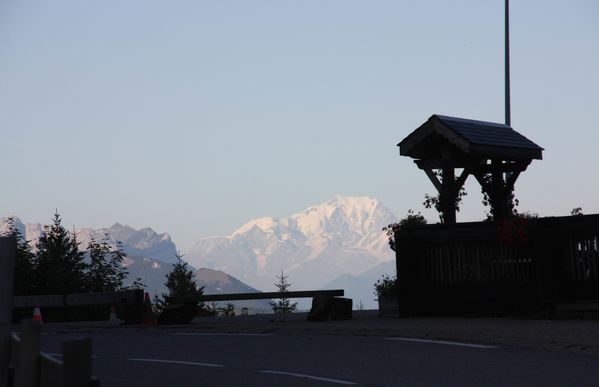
pixel 473 139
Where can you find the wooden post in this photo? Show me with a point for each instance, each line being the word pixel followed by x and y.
pixel 8 252
pixel 447 196
pixel 27 372
pixel 77 371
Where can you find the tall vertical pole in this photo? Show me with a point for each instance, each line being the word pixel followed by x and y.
pixel 508 119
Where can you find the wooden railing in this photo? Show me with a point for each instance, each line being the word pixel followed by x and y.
pixel 478 266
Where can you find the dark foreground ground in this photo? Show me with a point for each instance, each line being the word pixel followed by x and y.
pixel 579 336
pixel 270 350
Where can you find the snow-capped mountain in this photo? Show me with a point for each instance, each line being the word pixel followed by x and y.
pixel 342 236
pixel 145 242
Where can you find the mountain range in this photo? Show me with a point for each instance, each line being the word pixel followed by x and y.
pixel 338 238
pixel 337 244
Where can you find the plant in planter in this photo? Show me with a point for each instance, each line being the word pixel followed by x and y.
pixel 387 291
pixel 411 219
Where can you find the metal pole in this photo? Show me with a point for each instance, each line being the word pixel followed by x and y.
pixel 508 120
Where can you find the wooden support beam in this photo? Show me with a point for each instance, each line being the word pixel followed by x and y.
pixel 448 196
pixel 434 179
pixel 462 179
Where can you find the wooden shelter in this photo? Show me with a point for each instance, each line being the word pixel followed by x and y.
pixel 495 154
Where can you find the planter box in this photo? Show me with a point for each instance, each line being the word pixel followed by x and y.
pixel 388 307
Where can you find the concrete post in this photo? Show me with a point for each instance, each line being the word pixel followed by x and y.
pixel 77 362
pixel 8 252
pixel 27 372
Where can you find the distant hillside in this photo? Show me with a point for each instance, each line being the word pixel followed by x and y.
pixel 361 287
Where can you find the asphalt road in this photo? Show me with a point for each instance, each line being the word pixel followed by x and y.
pixel 179 358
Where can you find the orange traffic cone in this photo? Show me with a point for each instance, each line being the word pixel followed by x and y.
pixel 149 317
pixel 37 315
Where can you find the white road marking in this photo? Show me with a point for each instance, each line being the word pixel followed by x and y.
pixel 219 334
pixel 176 362
pixel 61 355
pixel 456 343
pixel 337 381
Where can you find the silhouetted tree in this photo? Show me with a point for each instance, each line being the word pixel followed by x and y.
pixel 59 266
pixel 283 305
pixel 23 284
pixel 179 282
pixel 106 271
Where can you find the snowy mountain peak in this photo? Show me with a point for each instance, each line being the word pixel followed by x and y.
pixel 343 214
pixel 312 245
pixel 265 224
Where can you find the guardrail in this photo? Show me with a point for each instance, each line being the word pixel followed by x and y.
pixel 29 367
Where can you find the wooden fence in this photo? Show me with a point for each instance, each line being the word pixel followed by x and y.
pixel 515 265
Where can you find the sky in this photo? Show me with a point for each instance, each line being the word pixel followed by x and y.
pixel 193 117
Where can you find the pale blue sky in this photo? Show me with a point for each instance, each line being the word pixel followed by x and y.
pixel 194 117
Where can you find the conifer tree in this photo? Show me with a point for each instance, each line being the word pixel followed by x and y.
pixel 106 271
pixel 23 284
pixel 59 266
pixel 180 281
pixel 283 305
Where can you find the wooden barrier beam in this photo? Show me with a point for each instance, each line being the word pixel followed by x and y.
pixel 104 298
pixel 79 299
pixel 42 301
pixel 256 296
